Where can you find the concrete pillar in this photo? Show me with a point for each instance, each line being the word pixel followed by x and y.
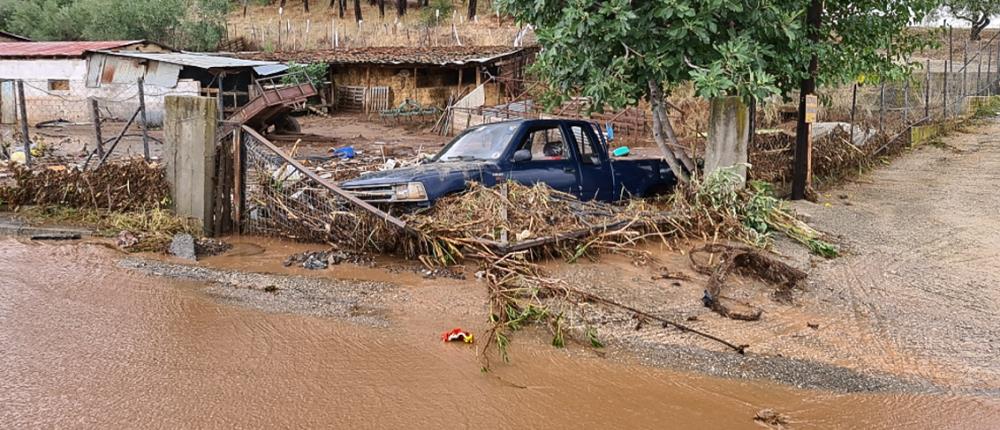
pixel 728 129
pixel 189 155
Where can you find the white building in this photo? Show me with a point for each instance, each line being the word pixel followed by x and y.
pixel 60 78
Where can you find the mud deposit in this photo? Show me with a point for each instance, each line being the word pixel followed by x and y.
pixel 87 344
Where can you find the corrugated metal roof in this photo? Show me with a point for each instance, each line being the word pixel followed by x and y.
pixel 59 49
pixel 187 59
pixel 439 55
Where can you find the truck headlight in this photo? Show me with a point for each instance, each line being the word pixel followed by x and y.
pixel 413 191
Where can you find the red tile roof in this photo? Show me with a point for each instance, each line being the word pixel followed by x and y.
pixel 59 49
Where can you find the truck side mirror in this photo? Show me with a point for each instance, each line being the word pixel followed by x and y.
pixel 522 155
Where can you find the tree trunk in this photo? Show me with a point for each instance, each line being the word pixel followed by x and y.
pixel 661 123
pixel 978 26
pixel 381 8
pixel 305 4
pixel 400 8
pixel 357 10
pixel 472 9
pixel 341 7
pixel 675 145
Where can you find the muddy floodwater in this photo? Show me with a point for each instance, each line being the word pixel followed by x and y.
pixel 86 344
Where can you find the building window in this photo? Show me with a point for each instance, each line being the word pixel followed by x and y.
pixel 58 84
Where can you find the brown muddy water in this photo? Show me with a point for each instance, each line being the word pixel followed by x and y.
pixel 85 344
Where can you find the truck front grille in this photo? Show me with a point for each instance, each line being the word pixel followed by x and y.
pixel 373 194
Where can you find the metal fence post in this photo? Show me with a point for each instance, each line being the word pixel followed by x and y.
pixel 989 72
pixel 944 104
pixel 927 91
pixel 979 70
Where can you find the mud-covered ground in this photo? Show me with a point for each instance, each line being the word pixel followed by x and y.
pixel 912 303
pixel 910 308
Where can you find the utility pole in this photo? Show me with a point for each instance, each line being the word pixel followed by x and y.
pixel 803 144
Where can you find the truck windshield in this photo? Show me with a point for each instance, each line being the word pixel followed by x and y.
pixel 481 143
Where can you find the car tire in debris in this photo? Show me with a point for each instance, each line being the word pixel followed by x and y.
pixel 287 124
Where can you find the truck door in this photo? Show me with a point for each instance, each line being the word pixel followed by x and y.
pixel 550 160
pixel 595 172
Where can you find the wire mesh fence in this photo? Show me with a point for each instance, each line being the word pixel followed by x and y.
pixel 281 198
pixel 938 90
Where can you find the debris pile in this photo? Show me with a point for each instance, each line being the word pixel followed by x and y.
pixel 129 185
pixel 536 218
pixel 318 260
pixel 834 155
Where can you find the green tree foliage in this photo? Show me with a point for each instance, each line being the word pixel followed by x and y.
pixel 978 13
pixel 190 24
pixel 619 51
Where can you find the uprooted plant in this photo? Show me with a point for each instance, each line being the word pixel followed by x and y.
pixel 719 207
pixel 520 293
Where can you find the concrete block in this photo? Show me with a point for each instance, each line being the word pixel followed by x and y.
pixel 189 155
pixel 728 129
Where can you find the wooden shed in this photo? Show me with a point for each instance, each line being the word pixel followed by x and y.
pixel 374 78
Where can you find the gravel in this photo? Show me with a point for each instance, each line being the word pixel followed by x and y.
pixel 362 302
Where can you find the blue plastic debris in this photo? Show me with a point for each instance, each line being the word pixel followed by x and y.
pixel 609 130
pixel 621 151
pixel 345 152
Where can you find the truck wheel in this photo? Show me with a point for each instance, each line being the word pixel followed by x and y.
pixel 286 124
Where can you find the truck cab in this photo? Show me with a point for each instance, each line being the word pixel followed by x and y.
pixel 567 155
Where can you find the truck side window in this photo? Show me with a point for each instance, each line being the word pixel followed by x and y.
pixel 546 144
pixel 587 154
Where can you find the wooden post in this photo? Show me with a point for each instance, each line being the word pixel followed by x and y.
pixel 238 202
pixel 459 88
pixel 906 100
pixel 965 75
pixel 220 77
pixel 95 117
pixel 854 109
pixel 881 108
pixel 24 122
pixel 142 119
pixel 803 144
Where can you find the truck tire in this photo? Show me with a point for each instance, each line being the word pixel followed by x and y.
pixel 286 124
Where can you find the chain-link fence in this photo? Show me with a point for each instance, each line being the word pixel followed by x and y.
pixel 938 90
pixel 283 198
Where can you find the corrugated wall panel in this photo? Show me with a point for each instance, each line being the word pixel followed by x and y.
pixel 162 74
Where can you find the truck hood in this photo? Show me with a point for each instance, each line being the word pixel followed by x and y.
pixel 430 173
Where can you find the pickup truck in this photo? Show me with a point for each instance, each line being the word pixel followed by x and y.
pixel 568 155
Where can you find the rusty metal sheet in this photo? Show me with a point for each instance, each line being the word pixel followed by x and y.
pixel 59 49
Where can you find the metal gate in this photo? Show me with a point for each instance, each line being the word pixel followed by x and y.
pixel 278 196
